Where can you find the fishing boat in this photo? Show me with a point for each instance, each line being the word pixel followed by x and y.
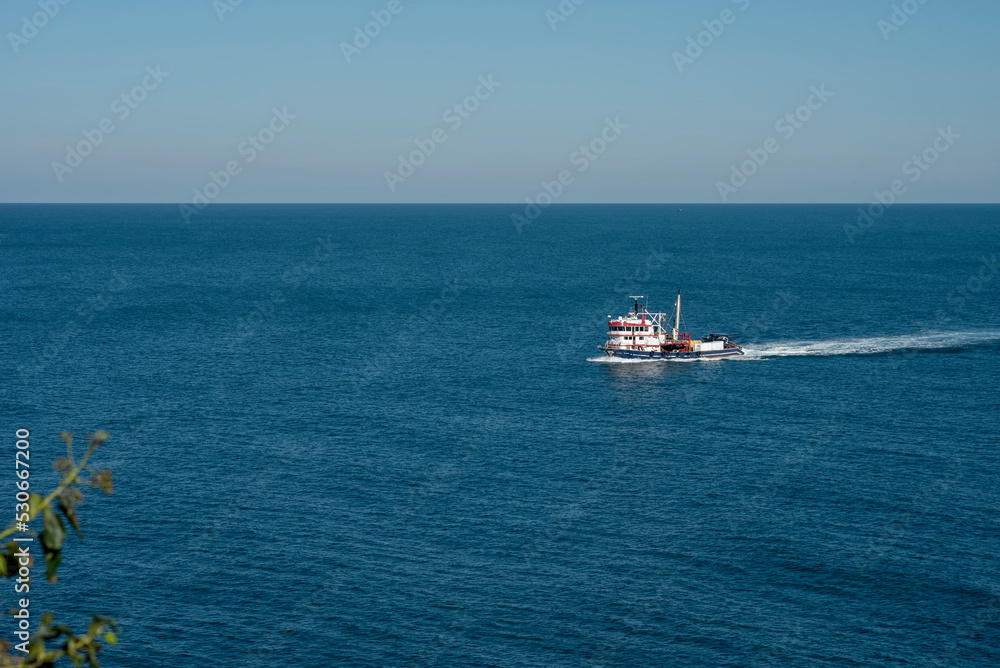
pixel 645 335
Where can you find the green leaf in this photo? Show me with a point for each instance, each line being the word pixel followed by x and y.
pixel 52 540
pixel 8 562
pixel 54 532
pixel 110 638
pixel 34 504
pixel 52 560
pixel 70 513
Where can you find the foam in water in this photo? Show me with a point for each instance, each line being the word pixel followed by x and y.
pixel 642 360
pixel 870 345
pixel 849 346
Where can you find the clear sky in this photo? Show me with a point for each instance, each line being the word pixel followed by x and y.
pixel 607 60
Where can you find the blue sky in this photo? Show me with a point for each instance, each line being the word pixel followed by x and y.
pixel 685 129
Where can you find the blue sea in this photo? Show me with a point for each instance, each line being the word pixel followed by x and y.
pixel 348 435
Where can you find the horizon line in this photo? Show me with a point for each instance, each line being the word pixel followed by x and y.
pixel 721 204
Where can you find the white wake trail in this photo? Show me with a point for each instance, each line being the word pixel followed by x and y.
pixel 870 345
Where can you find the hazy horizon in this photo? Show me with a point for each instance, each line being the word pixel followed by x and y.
pixel 636 102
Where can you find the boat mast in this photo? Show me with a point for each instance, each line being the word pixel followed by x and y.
pixel 677 323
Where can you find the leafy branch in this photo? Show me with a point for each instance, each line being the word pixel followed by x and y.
pixel 80 650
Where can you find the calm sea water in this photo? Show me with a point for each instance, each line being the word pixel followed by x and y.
pixel 378 436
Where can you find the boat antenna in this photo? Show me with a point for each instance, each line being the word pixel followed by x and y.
pixel 677 322
pixel 636 298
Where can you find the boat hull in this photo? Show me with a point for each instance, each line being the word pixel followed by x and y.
pixel 624 353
